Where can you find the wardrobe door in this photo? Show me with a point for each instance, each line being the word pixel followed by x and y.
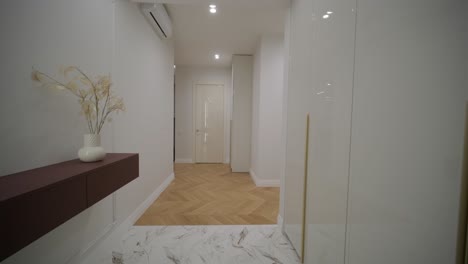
pixel 298 106
pixel 332 49
pixel 407 134
pixel 320 85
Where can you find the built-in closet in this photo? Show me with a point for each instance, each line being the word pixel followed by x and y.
pixel 241 120
pixel 375 124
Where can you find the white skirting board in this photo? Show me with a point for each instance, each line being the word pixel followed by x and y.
pixel 280 222
pixel 149 201
pixel 263 183
pixel 183 161
pixel 108 240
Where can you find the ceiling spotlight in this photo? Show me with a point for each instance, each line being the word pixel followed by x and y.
pixel 213 6
pixel 326 16
pixel 213 10
pixel 329 12
pixel 217 56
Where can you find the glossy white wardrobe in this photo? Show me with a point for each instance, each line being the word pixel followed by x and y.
pixel 385 84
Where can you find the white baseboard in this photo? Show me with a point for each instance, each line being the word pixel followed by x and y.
pixel 149 201
pixel 115 231
pixel 280 222
pixel 263 183
pixel 91 245
pixel 183 161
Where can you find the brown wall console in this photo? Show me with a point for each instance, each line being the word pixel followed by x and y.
pixel 34 202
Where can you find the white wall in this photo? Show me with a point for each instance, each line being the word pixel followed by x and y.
pixel 144 77
pixel 186 77
pixel 267 110
pixel 257 69
pixel 284 130
pixel 40 126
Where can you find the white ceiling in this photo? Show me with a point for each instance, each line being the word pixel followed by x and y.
pixel 234 29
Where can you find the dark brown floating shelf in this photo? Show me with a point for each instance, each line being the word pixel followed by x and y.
pixel 34 202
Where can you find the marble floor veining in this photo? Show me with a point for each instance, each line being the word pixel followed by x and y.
pixel 260 244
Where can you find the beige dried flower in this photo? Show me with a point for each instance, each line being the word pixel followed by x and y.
pixel 94 95
pixel 35 76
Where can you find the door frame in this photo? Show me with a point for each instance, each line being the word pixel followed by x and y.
pixel 194 117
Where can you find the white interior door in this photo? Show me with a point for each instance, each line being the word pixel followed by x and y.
pixel 209 123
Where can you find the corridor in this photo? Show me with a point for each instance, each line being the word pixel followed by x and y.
pixel 234 132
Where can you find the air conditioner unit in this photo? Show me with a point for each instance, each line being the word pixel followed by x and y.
pixel 157 16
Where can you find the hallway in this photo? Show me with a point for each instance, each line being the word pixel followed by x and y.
pixel 209 194
pixel 234 132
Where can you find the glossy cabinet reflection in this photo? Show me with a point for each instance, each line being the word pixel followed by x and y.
pixel 384 84
pixel 321 83
pixel 299 94
pixel 333 24
pixel 407 137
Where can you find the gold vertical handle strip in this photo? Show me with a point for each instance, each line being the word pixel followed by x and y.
pixel 304 207
pixel 462 245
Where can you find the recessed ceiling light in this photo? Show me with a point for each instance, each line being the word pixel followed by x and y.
pixel 329 12
pixel 212 6
pixel 326 16
pixel 213 10
pixel 217 56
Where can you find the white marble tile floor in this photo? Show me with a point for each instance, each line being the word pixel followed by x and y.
pixel 261 244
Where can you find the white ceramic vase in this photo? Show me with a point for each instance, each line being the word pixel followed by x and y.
pixel 92 150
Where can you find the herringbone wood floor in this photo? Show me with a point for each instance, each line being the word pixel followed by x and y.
pixel 209 194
